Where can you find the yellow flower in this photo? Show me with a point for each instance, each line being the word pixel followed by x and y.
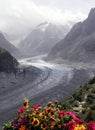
pixel 40 114
pixel 59 106
pixel 56 101
pixel 57 110
pixel 26 103
pixel 26 100
pixel 49 110
pixel 44 126
pixel 80 127
pixel 43 117
pixel 52 105
pixel 37 113
pixel 34 121
pixel 26 106
pixel 49 104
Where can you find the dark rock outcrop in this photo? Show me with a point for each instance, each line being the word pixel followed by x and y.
pixel 7 62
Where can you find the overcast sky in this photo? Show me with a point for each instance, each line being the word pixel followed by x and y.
pixel 20 16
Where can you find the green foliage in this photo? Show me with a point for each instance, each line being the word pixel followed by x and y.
pixel 76 104
pixel 84 111
pixel 66 105
pixel 90 115
pixel 8 126
pixel 66 118
pixel 85 96
pixel 92 81
pixel 93 106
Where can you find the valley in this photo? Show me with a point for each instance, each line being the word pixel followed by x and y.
pixel 41 82
pixel 46 61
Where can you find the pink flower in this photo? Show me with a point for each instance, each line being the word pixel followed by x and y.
pixel 76 119
pixel 14 125
pixel 91 125
pixel 62 114
pixel 73 115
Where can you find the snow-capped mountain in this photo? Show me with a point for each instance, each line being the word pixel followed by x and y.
pixel 42 26
pixel 42 39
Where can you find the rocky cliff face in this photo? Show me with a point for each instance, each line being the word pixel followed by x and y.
pixel 42 39
pixel 7 62
pixel 79 43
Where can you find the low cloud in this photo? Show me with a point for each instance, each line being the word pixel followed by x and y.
pixel 18 17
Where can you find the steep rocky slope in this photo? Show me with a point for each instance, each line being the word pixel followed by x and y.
pixel 79 43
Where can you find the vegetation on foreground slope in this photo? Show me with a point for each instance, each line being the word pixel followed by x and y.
pixel 82 101
pixel 59 116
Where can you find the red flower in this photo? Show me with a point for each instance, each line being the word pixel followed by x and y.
pixel 36 106
pixel 24 120
pixel 21 110
pixel 71 125
pixel 91 125
pixel 62 114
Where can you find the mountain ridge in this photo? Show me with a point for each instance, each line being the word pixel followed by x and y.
pixel 42 39
pixel 75 46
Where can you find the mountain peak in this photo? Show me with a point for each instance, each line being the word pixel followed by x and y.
pixel 89 23
pixel 43 23
pixel 42 26
pixel 42 39
pixel 92 13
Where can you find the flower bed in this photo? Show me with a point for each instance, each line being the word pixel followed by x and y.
pixel 51 117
